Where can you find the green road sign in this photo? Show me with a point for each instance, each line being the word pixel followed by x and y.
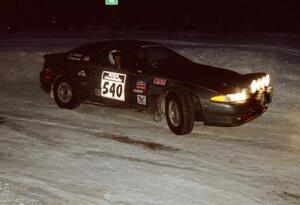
pixel 111 2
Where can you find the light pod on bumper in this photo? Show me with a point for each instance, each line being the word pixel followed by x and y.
pixel 267 80
pixel 254 86
pixel 260 83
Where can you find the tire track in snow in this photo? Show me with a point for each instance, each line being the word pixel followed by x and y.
pixel 94 132
pixel 127 140
pixel 139 160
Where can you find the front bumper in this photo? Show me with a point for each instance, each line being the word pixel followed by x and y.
pixel 221 114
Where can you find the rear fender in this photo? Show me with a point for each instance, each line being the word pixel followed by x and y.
pixel 52 85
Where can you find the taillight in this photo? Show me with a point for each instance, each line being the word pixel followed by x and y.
pixel 47 77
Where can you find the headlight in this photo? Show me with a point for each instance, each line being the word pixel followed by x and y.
pixel 237 97
pixel 259 83
pixel 267 80
pixel 254 86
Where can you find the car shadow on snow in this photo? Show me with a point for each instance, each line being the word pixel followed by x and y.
pixel 146 144
pixel 290 197
pixel 2 120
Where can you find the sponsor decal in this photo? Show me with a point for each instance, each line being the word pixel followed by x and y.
pixel 112 76
pixel 138 91
pixel 81 73
pixel 75 56
pixel 86 58
pixel 97 92
pixel 159 81
pixel 113 85
pixel 141 99
pixel 140 84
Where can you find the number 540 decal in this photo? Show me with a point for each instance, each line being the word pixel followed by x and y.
pixel 113 85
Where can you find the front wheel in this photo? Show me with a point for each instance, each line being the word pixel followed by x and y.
pixel 179 112
pixel 65 94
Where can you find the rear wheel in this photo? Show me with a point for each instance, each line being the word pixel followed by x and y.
pixel 65 93
pixel 179 112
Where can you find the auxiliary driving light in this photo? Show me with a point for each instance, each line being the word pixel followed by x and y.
pixel 254 86
pixel 260 83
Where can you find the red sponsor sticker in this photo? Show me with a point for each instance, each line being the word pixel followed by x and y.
pixel 141 85
pixel 138 91
pixel 159 81
pixel 86 58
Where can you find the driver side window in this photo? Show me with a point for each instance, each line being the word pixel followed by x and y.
pixel 115 58
pixel 134 62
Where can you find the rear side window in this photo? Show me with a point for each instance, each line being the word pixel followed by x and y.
pixel 84 48
pixel 89 54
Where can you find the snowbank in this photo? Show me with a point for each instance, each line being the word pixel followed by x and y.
pixel 20 66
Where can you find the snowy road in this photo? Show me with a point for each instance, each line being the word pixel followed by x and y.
pixel 103 155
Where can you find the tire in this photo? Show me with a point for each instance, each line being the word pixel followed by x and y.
pixel 65 93
pixel 179 112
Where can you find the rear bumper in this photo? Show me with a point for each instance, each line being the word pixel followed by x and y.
pixel 46 79
pixel 221 114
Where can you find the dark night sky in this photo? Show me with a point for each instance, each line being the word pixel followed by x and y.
pixel 208 15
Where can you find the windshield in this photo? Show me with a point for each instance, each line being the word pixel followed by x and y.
pixel 156 54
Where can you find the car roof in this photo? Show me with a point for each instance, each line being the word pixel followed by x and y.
pixel 96 46
pixel 123 43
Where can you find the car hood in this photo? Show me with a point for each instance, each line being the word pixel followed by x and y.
pixel 213 78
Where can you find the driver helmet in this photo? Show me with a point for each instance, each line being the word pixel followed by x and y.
pixel 111 56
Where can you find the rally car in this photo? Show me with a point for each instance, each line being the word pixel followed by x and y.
pixel 151 77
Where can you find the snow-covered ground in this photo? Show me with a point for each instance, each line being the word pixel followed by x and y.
pixel 103 155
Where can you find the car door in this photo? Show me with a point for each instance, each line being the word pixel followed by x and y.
pixel 138 81
pixel 128 84
pixel 108 83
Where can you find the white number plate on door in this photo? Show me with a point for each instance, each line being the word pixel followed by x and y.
pixel 113 85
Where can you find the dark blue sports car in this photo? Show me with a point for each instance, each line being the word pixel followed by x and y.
pixel 151 77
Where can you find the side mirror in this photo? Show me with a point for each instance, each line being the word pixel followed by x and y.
pixel 139 67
